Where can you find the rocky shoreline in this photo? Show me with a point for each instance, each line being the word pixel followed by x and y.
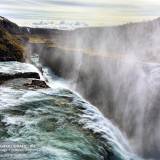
pixel 18 75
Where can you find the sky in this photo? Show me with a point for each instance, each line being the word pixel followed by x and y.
pixel 91 12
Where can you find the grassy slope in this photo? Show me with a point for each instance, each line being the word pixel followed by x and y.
pixel 10 47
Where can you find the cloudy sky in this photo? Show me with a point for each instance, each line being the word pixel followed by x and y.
pixel 92 12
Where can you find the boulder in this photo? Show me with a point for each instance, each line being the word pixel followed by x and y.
pixel 36 84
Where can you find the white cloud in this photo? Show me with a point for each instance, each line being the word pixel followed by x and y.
pixel 91 11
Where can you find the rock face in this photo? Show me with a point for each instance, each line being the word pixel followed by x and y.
pixel 12 41
pixel 9 26
pixel 10 47
pixel 6 76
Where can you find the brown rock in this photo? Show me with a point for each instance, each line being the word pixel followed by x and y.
pixel 36 84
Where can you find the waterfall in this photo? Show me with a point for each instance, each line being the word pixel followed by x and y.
pixel 117 70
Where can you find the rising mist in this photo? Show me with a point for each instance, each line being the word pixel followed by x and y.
pixel 117 69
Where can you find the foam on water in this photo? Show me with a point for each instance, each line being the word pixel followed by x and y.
pixel 25 110
pixel 93 119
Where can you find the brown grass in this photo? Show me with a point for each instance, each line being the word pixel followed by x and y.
pixel 10 47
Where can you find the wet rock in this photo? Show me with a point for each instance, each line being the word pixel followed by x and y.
pixel 25 83
pixel 36 84
pixel 6 76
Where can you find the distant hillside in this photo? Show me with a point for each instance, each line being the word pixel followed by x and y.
pixel 15 29
pixel 11 48
pixel 140 38
pixel 9 26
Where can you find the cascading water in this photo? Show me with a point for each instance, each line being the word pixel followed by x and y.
pixel 55 123
pixel 135 103
pixel 128 93
pixel 117 70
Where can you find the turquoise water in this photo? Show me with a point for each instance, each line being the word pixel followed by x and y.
pixel 50 124
pixel 55 124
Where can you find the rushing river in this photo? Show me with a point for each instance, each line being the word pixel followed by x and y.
pixel 54 123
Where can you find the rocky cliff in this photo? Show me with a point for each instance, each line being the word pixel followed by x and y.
pixel 11 47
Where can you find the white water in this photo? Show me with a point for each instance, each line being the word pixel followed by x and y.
pixel 91 117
